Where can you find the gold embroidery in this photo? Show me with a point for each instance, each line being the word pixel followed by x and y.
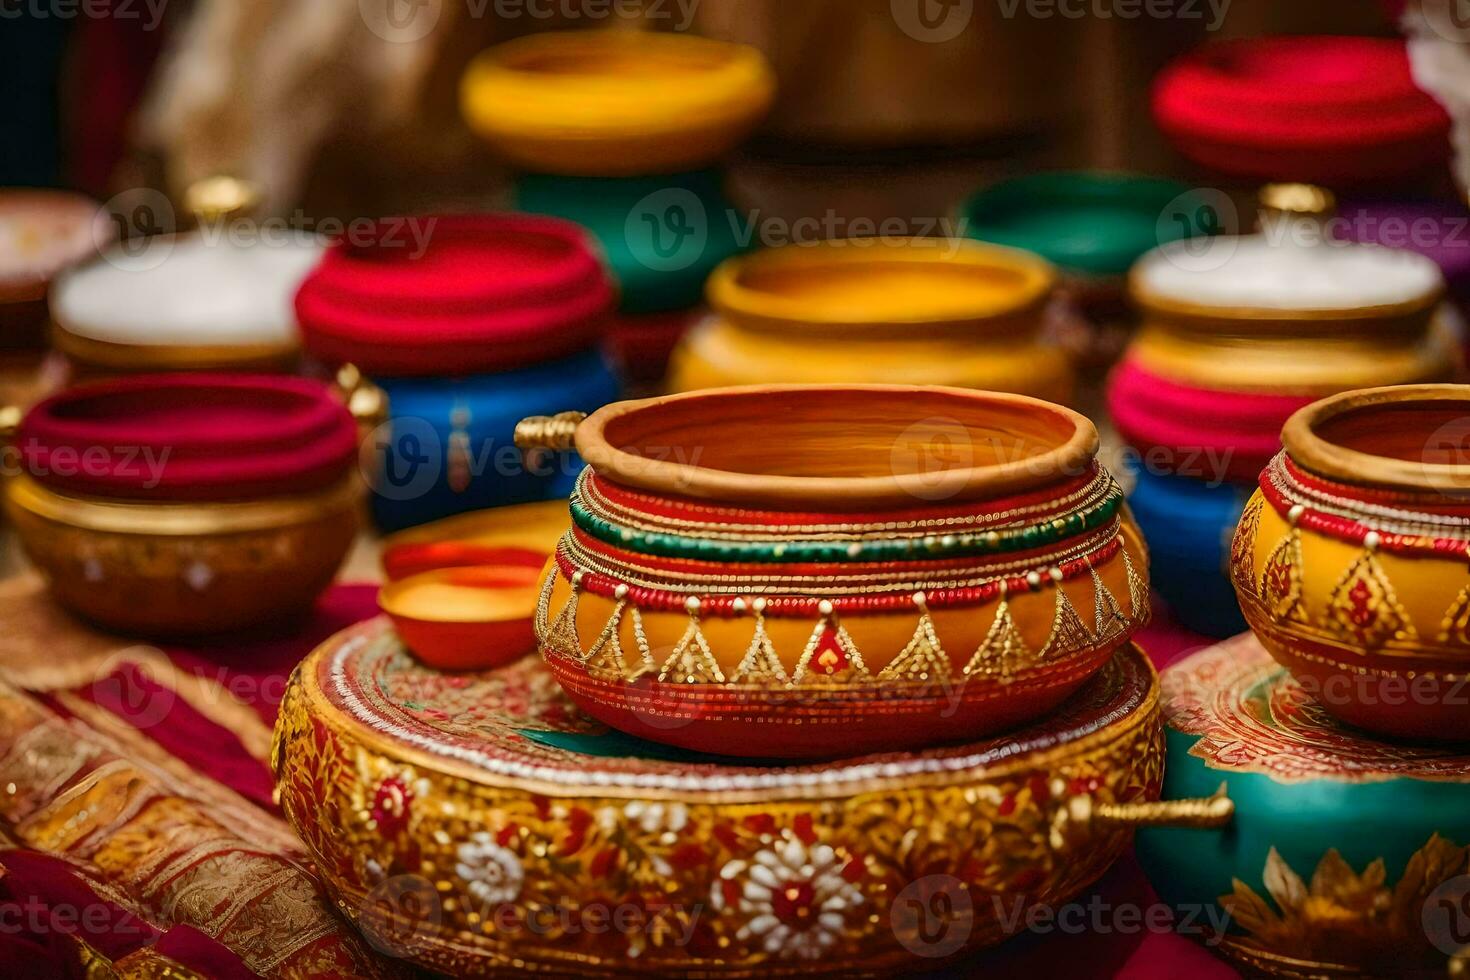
pixel 1364 608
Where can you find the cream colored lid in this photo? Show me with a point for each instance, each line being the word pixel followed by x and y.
pixel 191 290
pixel 1257 272
pixel 1254 271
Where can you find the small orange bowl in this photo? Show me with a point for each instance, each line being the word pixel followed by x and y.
pixel 472 618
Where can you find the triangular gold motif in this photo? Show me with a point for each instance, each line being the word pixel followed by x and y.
pixel 1456 626
pixel 1138 602
pixel 646 663
pixel 692 661
pixel 1243 544
pixel 922 659
pixel 1364 608
pixel 1107 615
pixel 605 659
pixel 543 607
pixel 562 635
pixel 1281 579
pixel 856 668
pixel 760 662
pixel 1003 651
pixel 1068 633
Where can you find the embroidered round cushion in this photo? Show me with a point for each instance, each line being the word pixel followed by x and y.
pixel 435 803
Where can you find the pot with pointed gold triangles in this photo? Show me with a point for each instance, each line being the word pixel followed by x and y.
pixel 810 571
pixel 1351 560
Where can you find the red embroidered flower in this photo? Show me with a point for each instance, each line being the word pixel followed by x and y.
pixel 391 805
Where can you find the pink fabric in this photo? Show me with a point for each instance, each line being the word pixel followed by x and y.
pixel 1156 415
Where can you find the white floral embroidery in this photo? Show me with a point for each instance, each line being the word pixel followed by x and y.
pixel 795 896
pixel 492 873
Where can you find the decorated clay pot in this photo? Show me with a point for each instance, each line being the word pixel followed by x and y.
pixel 802 572
pixel 166 505
pixel 42 233
pixel 1335 110
pixel 494 317
pixel 1092 226
pixel 1350 561
pixel 1239 332
pixel 622 132
pixel 891 311
pixel 1347 854
pixel 197 302
pixel 480 825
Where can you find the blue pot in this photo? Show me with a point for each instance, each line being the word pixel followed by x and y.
pixel 1188 524
pixel 449 447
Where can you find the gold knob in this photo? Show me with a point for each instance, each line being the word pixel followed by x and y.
pixel 215 198
pixel 366 401
pixel 10 416
pixel 1081 815
pixel 555 432
pixel 1297 199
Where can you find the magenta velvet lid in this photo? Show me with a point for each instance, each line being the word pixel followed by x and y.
pixel 189 437
pixel 455 295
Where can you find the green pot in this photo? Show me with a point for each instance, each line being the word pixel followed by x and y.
pixel 1089 224
pixel 663 235
pixel 1347 855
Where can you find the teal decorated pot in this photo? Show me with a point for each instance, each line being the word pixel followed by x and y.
pixel 662 236
pixel 1347 855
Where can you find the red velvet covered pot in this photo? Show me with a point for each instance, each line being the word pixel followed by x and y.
pixel 478 293
pixel 187 504
pixel 1334 110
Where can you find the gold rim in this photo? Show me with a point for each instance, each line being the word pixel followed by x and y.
pixel 162 357
pixel 1071 455
pixel 1033 280
pixel 1327 459
pixel 178 519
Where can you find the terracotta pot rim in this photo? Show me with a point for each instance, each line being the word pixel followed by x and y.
pixel 1073 451
pixel 1325 458
pixel 731 295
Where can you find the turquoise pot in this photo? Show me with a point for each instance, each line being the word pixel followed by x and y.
pixel 1087 223
pixel 1304 787
pixel 663 235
